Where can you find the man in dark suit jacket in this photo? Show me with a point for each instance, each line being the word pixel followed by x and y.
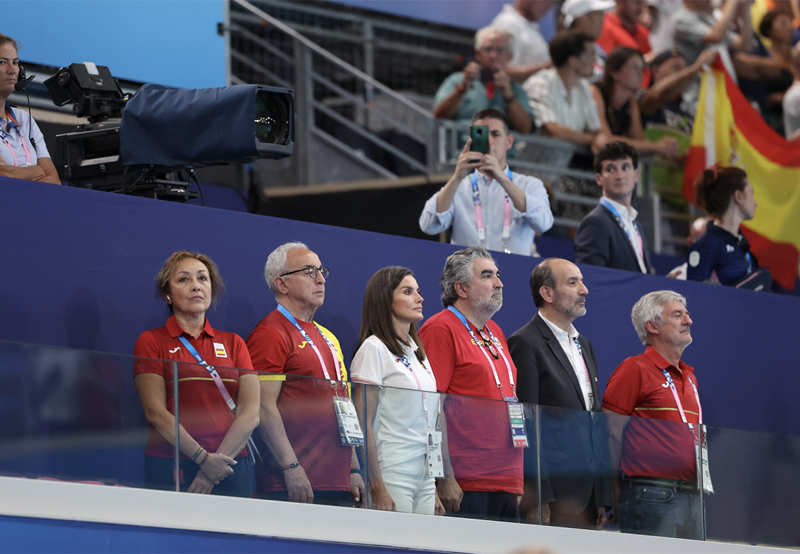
pixel 557 370
pixel 609 235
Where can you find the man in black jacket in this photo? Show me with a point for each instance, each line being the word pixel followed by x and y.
pixel 558 371
pixel 610 235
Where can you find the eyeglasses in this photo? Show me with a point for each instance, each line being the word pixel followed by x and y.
pixel 489 344
pixel 499 50
pixel 310 271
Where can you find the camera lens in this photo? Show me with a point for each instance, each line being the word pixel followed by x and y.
pixel 272 118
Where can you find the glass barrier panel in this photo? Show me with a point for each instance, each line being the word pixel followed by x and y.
pixel 77 416
pixel 403 447
pixel 308 438
pixel 756 487
pixel 69 415
pixel 217 410
pixel 654 475
pixel 575 468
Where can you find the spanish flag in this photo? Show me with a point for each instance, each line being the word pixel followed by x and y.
pixel 729 131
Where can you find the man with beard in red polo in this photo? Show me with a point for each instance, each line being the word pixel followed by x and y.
pixel 485 430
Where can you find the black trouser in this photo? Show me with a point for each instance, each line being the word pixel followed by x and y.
pixel 158 474
pixel 499 506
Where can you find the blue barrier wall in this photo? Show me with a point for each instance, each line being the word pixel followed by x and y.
pixel 49 535
pixel 78 267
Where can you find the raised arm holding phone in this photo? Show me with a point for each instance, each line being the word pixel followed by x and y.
pixel 485 202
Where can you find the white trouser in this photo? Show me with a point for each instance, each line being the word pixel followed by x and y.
pixel 409 487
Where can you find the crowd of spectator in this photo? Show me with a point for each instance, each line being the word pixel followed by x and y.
pixel 683 33
pixel 599 84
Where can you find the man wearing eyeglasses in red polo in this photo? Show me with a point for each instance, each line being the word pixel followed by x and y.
pixel 303 390
pixel 485 428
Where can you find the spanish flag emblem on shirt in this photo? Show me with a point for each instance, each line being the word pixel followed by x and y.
pixel 729 131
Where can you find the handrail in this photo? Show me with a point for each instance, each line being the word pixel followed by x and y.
pixel 352 18
pixel 358 40
pixel 314 47
pixel 377 140
pixel 358 101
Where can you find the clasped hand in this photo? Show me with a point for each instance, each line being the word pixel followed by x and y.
pixel 468 161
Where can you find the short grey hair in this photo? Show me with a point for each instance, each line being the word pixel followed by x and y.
pixel 485 32
pixel 276 262
pixel 650 307
pixel 458 269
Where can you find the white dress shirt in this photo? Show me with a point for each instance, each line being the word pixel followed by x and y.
pixel 567 341
pixel 628 216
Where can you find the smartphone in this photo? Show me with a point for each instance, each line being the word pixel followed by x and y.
pixel 480 138
pixel 487 75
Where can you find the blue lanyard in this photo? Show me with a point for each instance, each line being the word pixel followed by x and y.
pixel 13 124
pixel 288 315
pixel 747 255
pixel 480 345
pixel 226 396
pixel 610 207
pixel 211 370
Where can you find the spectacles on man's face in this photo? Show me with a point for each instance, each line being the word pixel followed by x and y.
pixel 310 271
pixel 489 344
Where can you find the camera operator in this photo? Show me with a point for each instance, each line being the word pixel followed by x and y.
pixel 23 152
pixel 484 83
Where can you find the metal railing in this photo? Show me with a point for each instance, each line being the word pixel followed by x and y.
pixel 342 109
pixel 400 53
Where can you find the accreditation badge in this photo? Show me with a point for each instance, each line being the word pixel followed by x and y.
pixel 516 418
pixel 705 470
pixel 434 465
pixel 350 433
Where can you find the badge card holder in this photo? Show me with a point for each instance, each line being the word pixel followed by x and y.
pixel 350 433
pixel 434 464
pixel 516 418
pixel 702 455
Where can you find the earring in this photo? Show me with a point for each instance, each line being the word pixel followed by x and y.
pixel 169 300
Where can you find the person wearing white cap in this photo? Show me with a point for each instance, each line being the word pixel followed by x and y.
pixel 572 10
pixel 658 17
pixel 586 16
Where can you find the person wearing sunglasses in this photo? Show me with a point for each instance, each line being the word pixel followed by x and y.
pixel 303 389
pixel 217 387
pixel 484 424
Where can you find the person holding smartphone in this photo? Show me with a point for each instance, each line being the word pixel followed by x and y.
pixel 485 83
pixel 486 203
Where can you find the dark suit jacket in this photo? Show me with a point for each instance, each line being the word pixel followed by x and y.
pixel 574 442
pixel 601 240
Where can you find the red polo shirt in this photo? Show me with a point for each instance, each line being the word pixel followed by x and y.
pixel 615 34
pixel 656 443
pixel 479 433
pixel 203 412
pixel 305 402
